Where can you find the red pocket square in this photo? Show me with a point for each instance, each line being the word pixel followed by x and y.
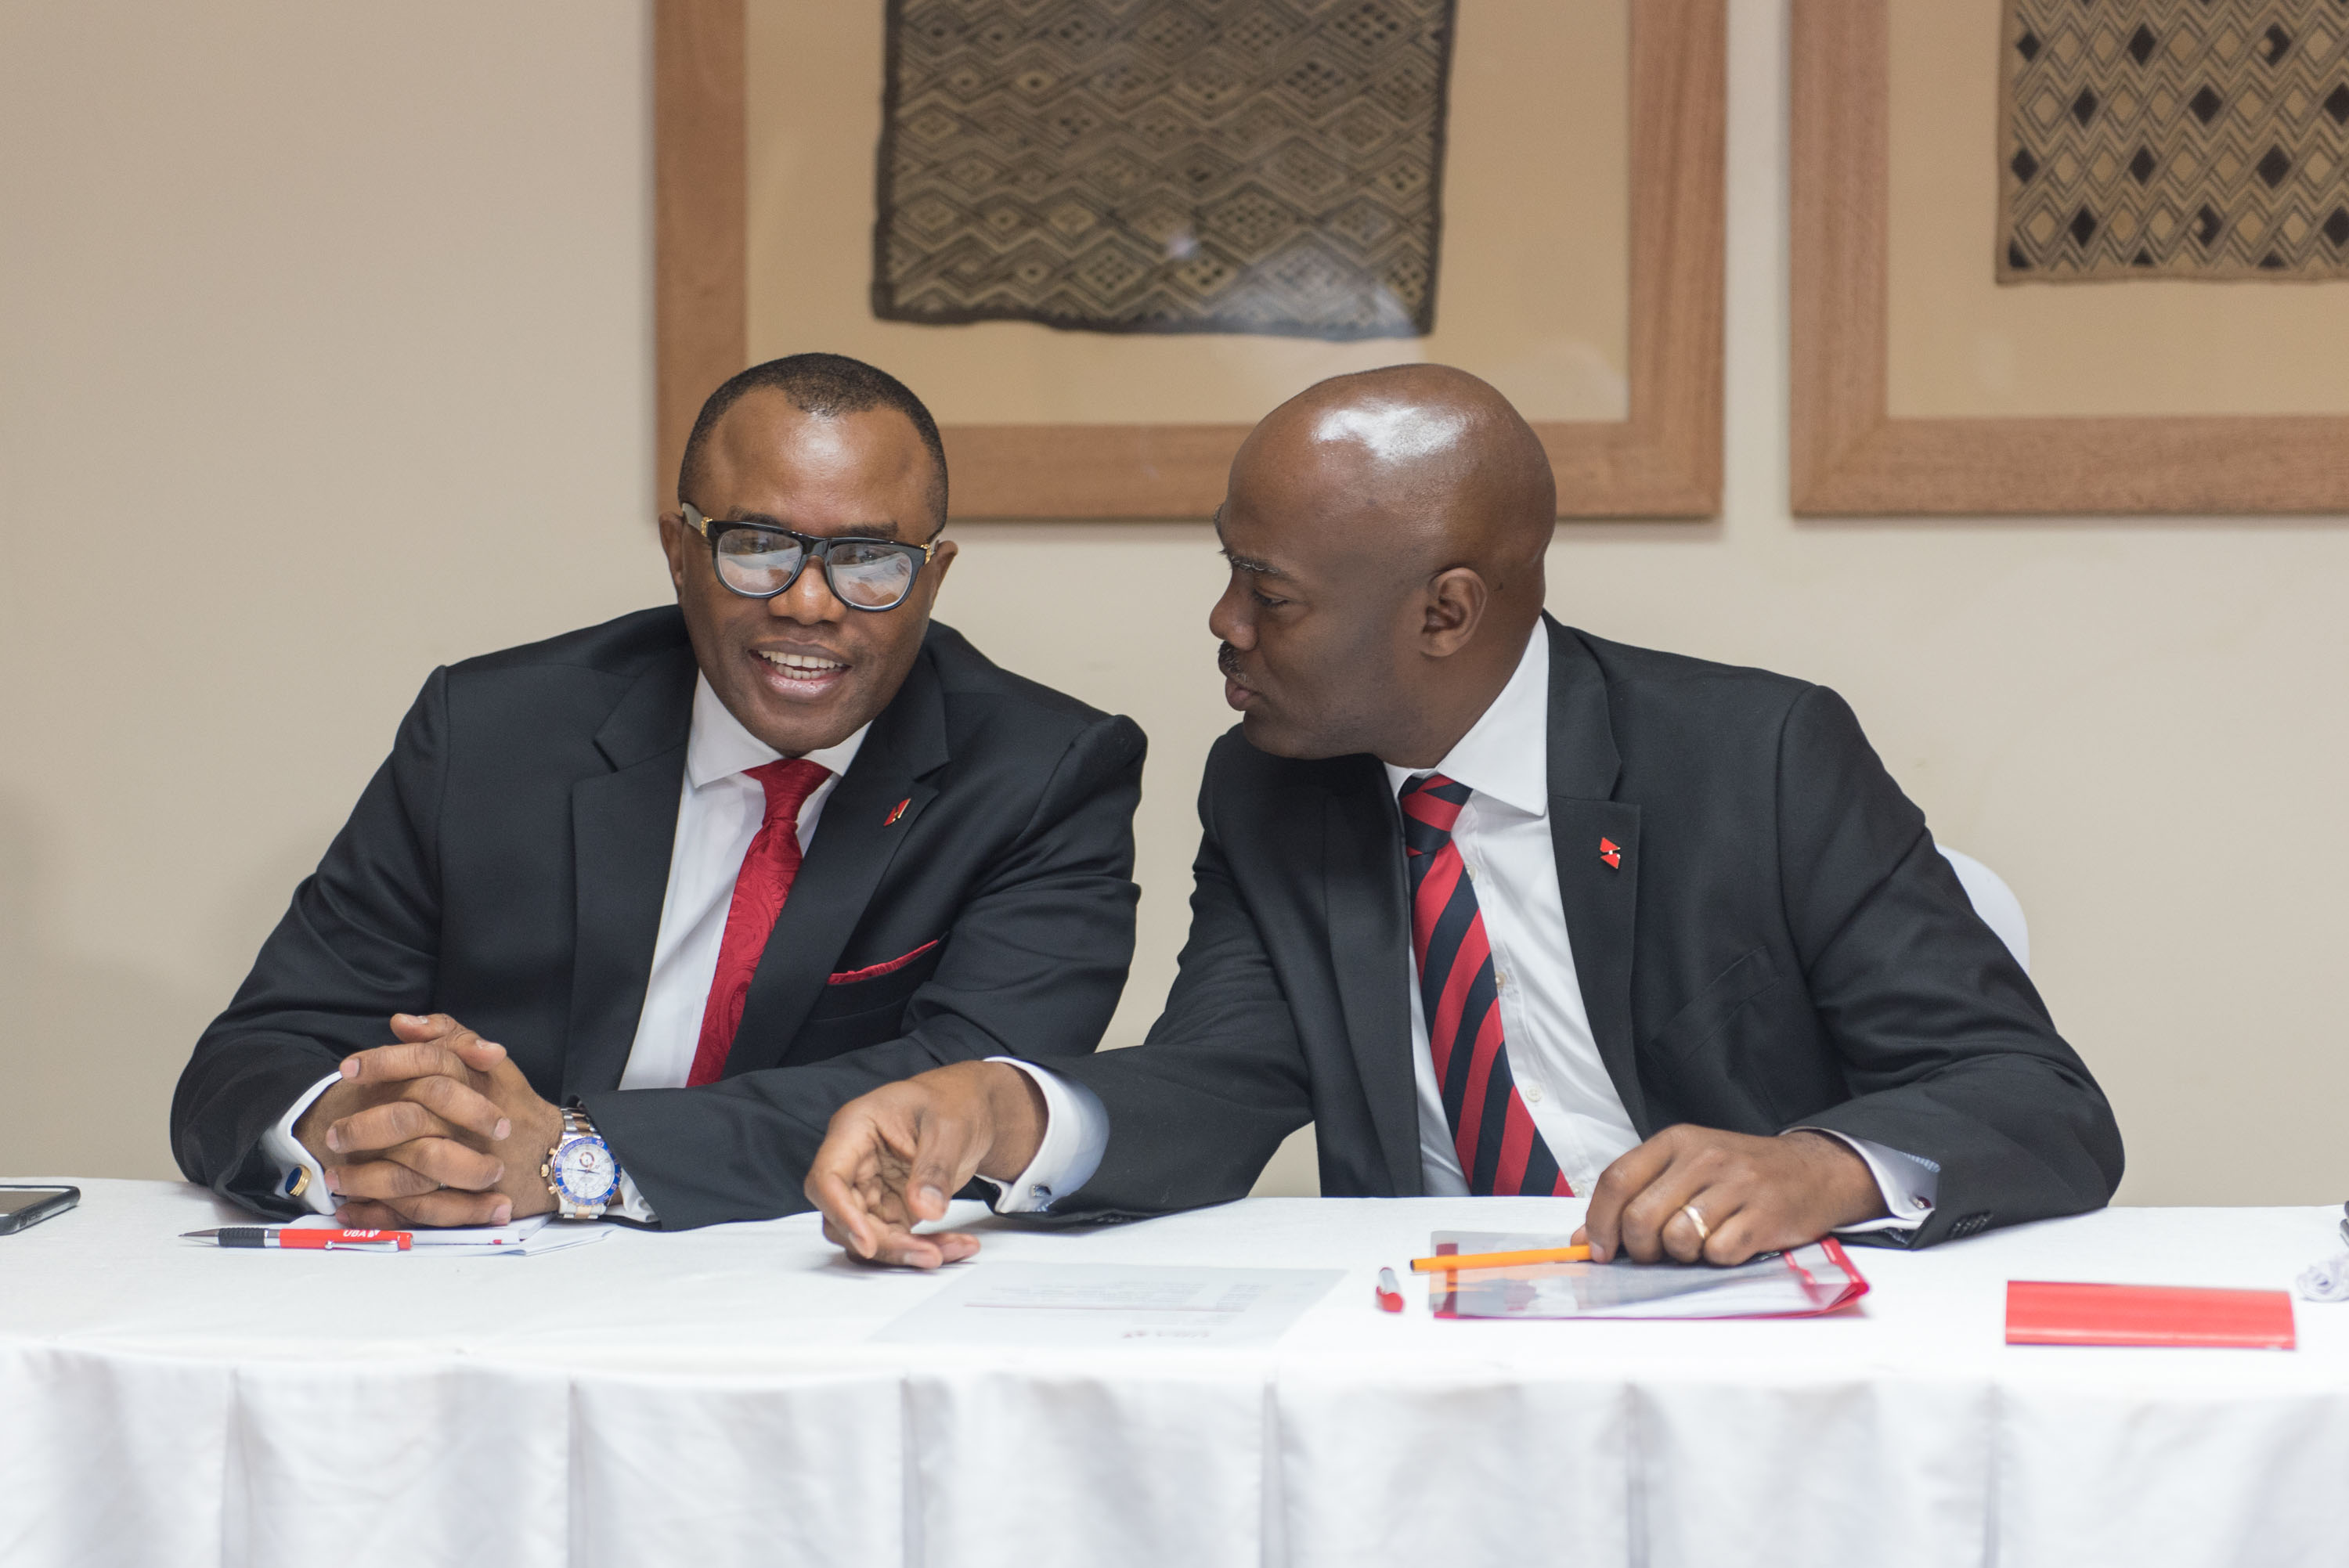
pixel 875 971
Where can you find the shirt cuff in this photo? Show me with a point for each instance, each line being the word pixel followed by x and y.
pixel 1909 1182
pixel 299 1177
pixel 1076 1131
pixel 627 1203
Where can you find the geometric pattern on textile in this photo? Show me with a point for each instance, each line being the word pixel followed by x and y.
pixel 1166 166
pixel 1501 1151
pixel 2201 138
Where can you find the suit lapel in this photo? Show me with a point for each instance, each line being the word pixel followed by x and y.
pixel 854 843
pixel 623 828
pixel 1600 899
pixel 1369 949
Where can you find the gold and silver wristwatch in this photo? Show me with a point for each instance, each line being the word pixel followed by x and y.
pixel 579 1171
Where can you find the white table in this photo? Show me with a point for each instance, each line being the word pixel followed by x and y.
pixel 711 1398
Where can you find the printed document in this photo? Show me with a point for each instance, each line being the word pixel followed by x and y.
pixel 1062 1306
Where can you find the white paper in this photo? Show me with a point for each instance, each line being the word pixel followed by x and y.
pixel 1064 1305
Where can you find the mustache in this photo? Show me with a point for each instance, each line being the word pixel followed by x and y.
pixel 1228 660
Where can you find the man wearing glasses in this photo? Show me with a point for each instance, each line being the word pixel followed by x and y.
pixel 627 914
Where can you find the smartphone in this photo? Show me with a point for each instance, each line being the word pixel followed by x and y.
pixel 23 1206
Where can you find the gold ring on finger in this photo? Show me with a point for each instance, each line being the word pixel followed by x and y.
pixel 1704 1230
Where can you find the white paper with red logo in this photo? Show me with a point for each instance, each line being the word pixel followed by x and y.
pixel 1798 1284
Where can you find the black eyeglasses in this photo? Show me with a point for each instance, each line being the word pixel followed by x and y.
pixel 759 560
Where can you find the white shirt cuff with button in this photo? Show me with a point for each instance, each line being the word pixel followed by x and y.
pixel 285 1152
pixel 1076 1131
pixel 1909 1182
pixel 1076 1134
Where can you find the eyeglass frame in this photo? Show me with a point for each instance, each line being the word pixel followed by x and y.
pixel 813 547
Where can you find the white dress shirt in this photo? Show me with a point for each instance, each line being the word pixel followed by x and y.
pixel 1502 835
pixel 720 810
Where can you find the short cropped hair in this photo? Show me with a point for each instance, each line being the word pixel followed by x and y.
pixel 827 385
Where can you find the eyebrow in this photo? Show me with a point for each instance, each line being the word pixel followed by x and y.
pixel 885 528
pixel 1247 563
pixel 1250 564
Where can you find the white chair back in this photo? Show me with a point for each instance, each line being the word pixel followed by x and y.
pixel 1994 902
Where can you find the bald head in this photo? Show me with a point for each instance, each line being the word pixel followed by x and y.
pixel 1430 466
pixel 1388 530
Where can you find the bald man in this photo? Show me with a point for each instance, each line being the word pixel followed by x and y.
pixel 1505 908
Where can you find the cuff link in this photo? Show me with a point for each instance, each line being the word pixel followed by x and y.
pixel 297 1183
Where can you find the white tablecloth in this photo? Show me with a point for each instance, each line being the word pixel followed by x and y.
pixel 712 1398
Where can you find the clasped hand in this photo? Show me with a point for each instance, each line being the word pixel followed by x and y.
pixel 891 1157
pixel 437 1129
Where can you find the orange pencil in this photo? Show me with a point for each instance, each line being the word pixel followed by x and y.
pixel 1450 1261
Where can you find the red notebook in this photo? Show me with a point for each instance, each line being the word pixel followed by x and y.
pixel 2047 1312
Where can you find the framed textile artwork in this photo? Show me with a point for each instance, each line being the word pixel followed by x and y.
pixel 1157 168
pixel 2174 138
pixel 2174 165
pixel 1101 238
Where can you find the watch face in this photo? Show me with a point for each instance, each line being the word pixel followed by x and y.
pixel 584 1170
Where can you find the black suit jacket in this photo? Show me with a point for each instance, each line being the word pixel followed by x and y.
pixel 1781 945
pixel 507 866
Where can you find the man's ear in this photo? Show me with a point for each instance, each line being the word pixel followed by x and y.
pixel 1453 606
pixel 676 542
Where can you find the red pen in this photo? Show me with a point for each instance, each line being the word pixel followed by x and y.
pixel 292 1237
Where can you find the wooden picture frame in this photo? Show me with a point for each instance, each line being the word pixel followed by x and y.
pixel 1664 460
pixel 1851 457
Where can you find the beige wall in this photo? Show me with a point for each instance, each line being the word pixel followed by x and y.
pixel 382 272
pixel 339 317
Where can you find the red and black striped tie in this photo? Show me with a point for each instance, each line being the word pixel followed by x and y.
pixel 1500 1152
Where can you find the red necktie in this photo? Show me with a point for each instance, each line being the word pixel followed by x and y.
pixel 1500 1148
pixel 769 868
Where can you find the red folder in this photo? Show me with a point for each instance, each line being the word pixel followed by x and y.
pixel 2047 1312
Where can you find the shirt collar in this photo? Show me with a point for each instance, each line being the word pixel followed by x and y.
pixel 717 746
pixel 1505 754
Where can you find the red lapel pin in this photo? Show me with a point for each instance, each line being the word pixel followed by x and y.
pixel 896 811
pixel 1610 854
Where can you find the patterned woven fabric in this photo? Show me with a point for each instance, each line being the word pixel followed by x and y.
pixel 1261 166
pixel 2203 138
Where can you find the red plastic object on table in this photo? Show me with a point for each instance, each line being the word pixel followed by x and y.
pixel 2049 1312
